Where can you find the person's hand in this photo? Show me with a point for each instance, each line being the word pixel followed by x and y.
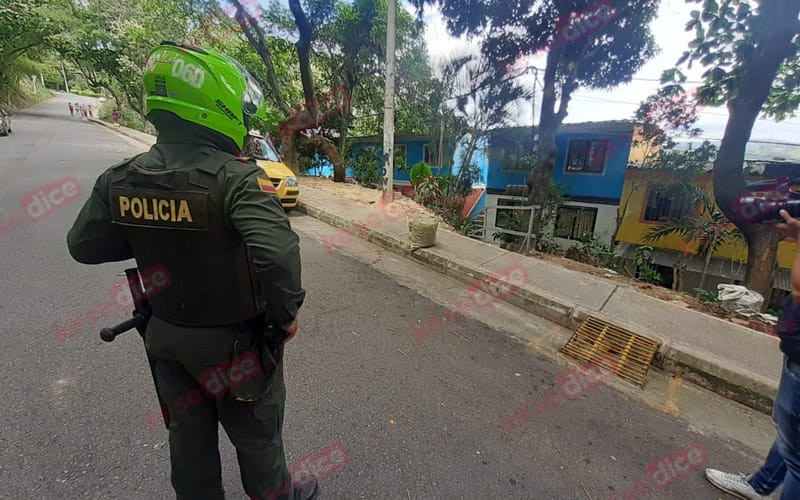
pixel 291 329
pixel 791 227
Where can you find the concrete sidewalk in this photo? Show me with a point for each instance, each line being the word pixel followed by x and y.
pixel 142 137
pixel 732 360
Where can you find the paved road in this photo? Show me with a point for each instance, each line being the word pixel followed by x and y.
pixel 417 421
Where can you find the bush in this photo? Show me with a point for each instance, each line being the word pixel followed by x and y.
pixel 418 172
pixel 427 190
pixel 644 271
pixel 127 117
pixel 511 221
pixel 591 250
pixel 88 93
pixel 453 218
pixel 704 295
pixel 366 171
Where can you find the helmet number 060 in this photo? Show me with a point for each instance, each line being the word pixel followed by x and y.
pixel 189 73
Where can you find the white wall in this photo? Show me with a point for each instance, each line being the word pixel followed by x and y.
pixel 604 226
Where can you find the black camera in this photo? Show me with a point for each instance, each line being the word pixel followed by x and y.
pixel 754 209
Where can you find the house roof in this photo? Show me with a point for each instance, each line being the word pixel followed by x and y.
pixel 601 126
pixel 397 137
pixel 583 127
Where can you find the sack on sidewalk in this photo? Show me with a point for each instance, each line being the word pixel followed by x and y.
pixel 423 230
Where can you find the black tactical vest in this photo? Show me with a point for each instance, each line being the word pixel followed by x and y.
pixel 174 220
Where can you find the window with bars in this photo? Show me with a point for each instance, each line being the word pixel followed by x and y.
pixel 573 222
pixel 661 206
pixel 429 155
pixel 587 156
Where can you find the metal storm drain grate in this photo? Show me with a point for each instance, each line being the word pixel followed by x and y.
pixel 613 348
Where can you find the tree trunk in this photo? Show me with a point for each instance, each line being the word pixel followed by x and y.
pixel 289 147
pixel 762 242
pixel 758 70
pixel 706 264
pixel 329 149
pixel 549 121
pixel 473 140
pixel 304 55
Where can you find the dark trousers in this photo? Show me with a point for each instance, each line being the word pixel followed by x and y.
pixel 782 465
pixel 183 355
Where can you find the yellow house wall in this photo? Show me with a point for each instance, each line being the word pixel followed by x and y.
pixel 632 229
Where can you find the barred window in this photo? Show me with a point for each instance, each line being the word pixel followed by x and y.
pixel 587 156
pixel 661 206
pixel 573 222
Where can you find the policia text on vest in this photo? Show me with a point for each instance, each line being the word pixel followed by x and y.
pixel 154 209
pixel 157 208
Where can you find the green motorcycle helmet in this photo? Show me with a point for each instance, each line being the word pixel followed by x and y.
pixel 203 86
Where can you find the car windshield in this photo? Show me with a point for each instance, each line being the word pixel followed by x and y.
pixel 260 148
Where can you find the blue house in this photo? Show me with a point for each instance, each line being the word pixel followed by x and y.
pixel 590 168
pixel 413 148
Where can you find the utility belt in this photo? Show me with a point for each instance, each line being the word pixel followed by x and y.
pixel 255 359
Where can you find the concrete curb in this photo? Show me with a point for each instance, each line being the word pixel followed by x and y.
pixel 745 388
pixel 125 131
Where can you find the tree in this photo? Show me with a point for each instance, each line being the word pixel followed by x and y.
pixel 24 25
pixel 594 44
pixel 708 228
pixel 750 66
pixel 479 101
pixel 292 136
pixel 351 52
pixel 108 42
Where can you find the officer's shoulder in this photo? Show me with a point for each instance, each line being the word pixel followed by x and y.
pixel 124 163
pixel 238 167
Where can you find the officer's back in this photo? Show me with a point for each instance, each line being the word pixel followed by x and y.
pixel 213 222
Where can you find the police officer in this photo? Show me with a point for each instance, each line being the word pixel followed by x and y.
pixel 215 226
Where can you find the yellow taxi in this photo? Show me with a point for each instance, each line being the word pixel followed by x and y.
pixel 281 176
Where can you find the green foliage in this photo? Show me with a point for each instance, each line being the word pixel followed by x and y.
pixel 418 171
pixel 466 177
pixel 644 270
pixel 453 217
pixel 731 35
pixel 705 295
pixel 590 250
pixel 127 117
pixel 708 227
pixel 427 190
pixel 366 170
pixel 511 220
pixel 650 275
pixel 88 93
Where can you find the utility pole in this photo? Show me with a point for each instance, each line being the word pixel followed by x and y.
pixel 533 111
pixel 64 73
pixel 388 105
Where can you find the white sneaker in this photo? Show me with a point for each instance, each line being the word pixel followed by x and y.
pixel 735 484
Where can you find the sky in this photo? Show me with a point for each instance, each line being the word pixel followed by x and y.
pixel 621 102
